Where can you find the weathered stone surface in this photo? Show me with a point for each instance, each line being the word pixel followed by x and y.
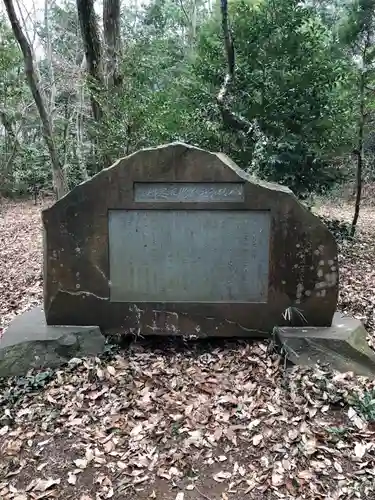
pixel 343 346
pixel 30 343
pixel 111 258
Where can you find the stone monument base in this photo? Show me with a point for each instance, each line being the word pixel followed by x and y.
pixel 29 343
pixel 343 345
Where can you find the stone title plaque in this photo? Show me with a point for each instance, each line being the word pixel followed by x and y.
pixel 188 255
pixel 188 192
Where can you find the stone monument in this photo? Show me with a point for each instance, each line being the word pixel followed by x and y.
pixel 178 240
pixel 175 240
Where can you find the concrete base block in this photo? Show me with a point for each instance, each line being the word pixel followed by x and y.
pixel 30 343
pixel 343 346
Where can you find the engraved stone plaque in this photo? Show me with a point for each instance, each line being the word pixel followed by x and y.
pixel 188 255
pixel 188 192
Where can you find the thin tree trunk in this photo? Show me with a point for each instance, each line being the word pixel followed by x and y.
pixel 50 64
pixel 93 51
pixel 230 119
pixel 193 28
pixel 112 39
pixel 79 123
pixel 92 46
pixel 58 176
pixel 7 124
pixel 359 153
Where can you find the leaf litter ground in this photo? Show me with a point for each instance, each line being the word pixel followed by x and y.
pixel 184 421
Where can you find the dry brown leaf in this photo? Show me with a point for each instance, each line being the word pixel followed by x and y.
pixel 337 466
pixel 72 478
pixel 257 439
pixel 111 370
pixel 217 434
pixel 277 479
pixel 293 434
pixel 136 430
pixel 358 422
pixel 253 424
pixel 305 474
pixel 89 454
pixel 230 434
pixel 309 447
pixel 45 484
pixel 222 476
pixel 109 493
pixel 81 463
pixel 109 446
pixel 359 450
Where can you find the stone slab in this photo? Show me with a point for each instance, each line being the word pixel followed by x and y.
pixel 343 346
pixel 155 263
pixel 29 342
pixel 79 282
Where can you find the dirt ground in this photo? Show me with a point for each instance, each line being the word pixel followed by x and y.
pixel 171 420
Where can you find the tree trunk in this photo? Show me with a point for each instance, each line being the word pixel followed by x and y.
pixel 79 123
pixel 112 39
pixel 231 120
pixel 359 154
pixel 7 124
pixel 58 176
pixel 93 52
pixel 15 146
pixel 51 71
pixel 12 135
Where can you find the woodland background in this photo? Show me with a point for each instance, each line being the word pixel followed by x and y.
pixel 294 102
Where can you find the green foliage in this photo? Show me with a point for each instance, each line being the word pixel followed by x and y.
pixel 10 393
pixel 290 76
pixel 295 74
pixel 365 405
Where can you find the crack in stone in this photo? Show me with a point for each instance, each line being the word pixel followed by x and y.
pixel 101 272
pixel 175 314
pixel 84 294
pixel 246 329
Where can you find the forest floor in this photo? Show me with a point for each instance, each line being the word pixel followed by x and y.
pixel 168 420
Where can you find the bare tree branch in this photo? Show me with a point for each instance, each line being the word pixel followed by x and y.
pixel 32 80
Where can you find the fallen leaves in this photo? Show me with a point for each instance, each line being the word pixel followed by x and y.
pixel 42 484
pixel 21 281
pixel 188 416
